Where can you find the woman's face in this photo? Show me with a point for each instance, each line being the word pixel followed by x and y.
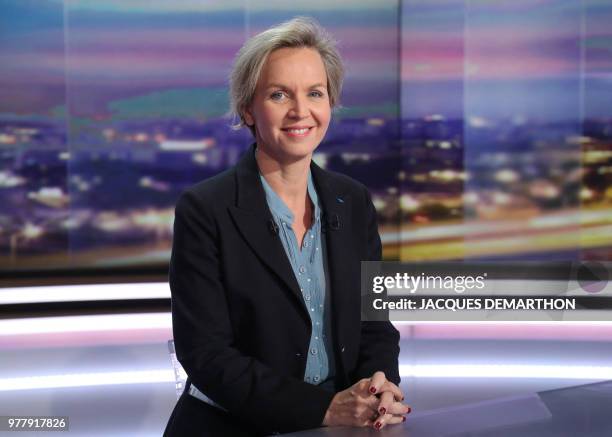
pixel 290 109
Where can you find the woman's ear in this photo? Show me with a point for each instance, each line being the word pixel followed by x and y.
pixel 248 118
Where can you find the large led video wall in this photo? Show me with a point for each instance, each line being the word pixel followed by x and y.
pixel 507 130
pixel 483 129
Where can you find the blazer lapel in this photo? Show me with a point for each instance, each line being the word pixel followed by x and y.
pixel 336 208
pixel 254 221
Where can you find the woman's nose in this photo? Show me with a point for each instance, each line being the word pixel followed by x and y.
pixel 299 108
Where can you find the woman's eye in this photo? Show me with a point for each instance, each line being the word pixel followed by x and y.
pixel 316 94
pixel 277 95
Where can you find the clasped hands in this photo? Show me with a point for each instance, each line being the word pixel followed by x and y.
pixel 374 402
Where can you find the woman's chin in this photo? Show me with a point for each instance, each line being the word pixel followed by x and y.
pixel 290 153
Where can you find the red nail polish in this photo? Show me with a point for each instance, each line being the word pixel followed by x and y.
pixel 383 410
pixel 404 419
pixel 377 425
pixel 409 410
pixel 372 390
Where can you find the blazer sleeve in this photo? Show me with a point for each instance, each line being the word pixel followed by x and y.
pixel 250 390
pixel 379 346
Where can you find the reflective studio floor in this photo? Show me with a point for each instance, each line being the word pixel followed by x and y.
pixel 112 374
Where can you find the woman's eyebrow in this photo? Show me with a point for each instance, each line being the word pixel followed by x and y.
pixel 278 85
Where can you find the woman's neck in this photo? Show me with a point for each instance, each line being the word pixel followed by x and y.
pixel 289 181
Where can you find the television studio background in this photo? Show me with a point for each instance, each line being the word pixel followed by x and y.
pixel 482 129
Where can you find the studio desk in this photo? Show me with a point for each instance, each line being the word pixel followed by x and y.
pixel 584 411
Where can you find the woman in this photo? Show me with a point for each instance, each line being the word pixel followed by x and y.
pixel 265 265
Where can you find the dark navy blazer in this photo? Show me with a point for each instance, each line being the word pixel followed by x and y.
pixel 241 326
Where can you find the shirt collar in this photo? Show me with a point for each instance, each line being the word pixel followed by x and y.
pixel 280 209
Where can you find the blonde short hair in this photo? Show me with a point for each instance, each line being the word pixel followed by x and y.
pixel 298 32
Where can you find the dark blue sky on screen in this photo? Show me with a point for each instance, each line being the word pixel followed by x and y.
pixel 500 59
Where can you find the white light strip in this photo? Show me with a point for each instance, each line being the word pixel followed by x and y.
pixel 121 322
pixel 84 292
pixel 76 324
pixel 87 380
pixel 591 373
pixel 507 322
pixel 505 371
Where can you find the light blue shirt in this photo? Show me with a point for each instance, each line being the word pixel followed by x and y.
pixel 310 268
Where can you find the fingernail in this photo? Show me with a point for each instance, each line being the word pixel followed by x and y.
pixel 403 418
pixel 402 398
pixel 377 425
pixel 372 390
pixel 382 410
pixel 409 410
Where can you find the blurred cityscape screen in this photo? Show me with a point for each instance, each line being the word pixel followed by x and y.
pixel 482 129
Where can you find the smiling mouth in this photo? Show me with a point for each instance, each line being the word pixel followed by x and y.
pixel 297 131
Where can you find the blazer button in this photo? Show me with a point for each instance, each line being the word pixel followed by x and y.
pixel 298 355
pixel 342 350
